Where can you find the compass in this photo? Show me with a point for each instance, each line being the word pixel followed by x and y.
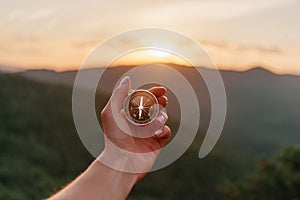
pixel 141 107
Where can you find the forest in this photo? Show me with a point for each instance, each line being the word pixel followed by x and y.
pixel 41 152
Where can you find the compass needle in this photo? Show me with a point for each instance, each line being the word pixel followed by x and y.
pixel 140 107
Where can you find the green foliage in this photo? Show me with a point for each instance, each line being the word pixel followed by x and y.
pixel 275 178
pixel 41 152
pixel 192 178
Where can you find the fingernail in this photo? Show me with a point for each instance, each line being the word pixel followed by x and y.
pixel 161 119
pixel 164 114
pixel 158 132
pixel 124 80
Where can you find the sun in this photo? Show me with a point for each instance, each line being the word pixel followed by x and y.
pixel 147 56
pixel 157 53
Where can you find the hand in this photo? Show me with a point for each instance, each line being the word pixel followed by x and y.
pixel 126 157
pixel 125 143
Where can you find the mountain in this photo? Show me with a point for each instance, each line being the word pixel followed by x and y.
pixel 262 111
pixel 41 151
pixel 10 69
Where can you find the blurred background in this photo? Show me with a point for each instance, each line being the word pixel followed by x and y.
pixel 255 45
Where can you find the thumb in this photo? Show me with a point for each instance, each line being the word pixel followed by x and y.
pixel 120 93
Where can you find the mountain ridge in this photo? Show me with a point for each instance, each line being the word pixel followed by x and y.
pixel 16 69
pixel 255 98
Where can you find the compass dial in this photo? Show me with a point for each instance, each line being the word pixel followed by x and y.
pixel 141 107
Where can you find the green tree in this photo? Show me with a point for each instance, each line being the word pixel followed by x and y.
pixel 274 178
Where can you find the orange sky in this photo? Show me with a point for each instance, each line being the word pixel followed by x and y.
pixel 237 34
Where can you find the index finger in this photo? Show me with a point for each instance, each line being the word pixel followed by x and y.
pixel 158 91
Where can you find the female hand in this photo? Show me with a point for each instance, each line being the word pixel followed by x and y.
pixel 131 148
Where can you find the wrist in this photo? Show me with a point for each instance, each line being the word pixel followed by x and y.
pixel 117 163
pixel 125 160
pixel 121 183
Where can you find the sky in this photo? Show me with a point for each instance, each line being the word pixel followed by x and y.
pixel 237 34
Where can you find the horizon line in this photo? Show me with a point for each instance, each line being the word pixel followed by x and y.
pixel 13 69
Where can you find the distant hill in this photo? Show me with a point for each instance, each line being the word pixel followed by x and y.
pixel 263 108
pixel 10 69
pixel 41 151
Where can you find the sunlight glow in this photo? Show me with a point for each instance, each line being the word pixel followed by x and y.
pixel 36 36
pixel 149 56
pixel 157 53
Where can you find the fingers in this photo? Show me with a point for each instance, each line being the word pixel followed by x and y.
pixel 158 91
pixel 112 110
pixel 163 100
pixel 159 122
pixel 150 129
pixel 164 136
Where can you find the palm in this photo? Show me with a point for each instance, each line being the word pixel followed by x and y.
pixel 135 139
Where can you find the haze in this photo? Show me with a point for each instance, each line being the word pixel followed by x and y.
pixel 237 34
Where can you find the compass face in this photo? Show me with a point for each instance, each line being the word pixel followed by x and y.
pixel 141 107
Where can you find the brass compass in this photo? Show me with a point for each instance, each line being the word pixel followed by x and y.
pixel 141 107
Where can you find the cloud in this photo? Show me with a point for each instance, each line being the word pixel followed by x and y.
pixel 87 43
pixel 213 10
pixel 29 15
pixel 260 48
pixel 242 47
pixel 215 44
